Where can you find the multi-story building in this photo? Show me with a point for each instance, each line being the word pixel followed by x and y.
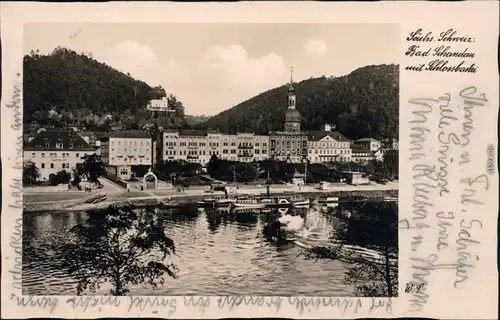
pixel 199 146
pixel 189 145
pixel 55 150
pixel 260 147
pixel 121 150
pixel 372 144
pixel 290 144
pixel 328 146
pixel 361 154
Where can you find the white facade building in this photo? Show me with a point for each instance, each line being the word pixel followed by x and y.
pixel 199 146
pixel 122 149
pixel 328 146
pixel 54 150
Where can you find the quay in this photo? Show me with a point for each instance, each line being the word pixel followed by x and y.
pixel 75 201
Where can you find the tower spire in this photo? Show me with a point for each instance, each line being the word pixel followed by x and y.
pixel 291 89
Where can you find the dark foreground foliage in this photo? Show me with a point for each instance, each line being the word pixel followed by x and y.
pixel 373 226
pixel 119 246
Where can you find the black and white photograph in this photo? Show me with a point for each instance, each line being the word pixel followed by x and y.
pixel 210 159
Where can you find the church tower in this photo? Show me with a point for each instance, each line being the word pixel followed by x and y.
pixel 292 116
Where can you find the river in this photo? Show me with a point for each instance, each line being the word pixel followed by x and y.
pixel 216 255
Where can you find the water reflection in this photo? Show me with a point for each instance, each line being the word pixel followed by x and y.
pixel 219 252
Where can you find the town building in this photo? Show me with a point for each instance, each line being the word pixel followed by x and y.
pixel 291 144
pixel 54 150
pixel 121 150
pixel 93 139
pixel 328 146
pixel 389 145
pixel 195 146
pixel 372 144
pixel 198 146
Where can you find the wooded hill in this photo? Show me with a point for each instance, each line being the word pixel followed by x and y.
pixel 67 88
pixel 364 103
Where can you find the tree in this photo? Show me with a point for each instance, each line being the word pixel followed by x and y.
pixel 63 176
pixel 92 166
pixel 191 169
pixel 391 161
pixel 30 173
pixel 116 246
pixel 213 166
pixel 371 225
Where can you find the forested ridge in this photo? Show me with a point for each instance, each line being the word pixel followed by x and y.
pixel 65 87
pixel 364 103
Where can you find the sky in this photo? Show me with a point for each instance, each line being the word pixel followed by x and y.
pixel 213 67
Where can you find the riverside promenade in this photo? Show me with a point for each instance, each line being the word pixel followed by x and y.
pixel 75 200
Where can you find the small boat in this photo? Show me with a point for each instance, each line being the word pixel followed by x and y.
pixel 246 202
pixel 301 203
pixel 96 199
pixel 278 236
pixel 390 199
pixel 329 200
pixel 224 202
pixel 169 204
pixel 208 202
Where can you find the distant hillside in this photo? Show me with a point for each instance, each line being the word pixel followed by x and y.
pixel 364 103
pixel 67 88
pixel 196 120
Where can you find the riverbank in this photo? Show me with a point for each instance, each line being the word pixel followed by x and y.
pixel 189 196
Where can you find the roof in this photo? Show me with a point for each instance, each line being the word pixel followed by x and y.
pixel 130 134
pixel 48 141
pixel 367 140
pixel 318 135
pixel 286 133
pixel 292 115
pixel 192 132
pixel 359 149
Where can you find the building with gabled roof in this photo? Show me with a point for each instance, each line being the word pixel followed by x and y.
pixel 55 150
pixel 328 147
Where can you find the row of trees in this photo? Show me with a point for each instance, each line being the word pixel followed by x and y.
pixel 275 171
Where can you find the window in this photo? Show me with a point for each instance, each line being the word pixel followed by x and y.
pixel 33 154
pixel 52 166
pixel 43 155
pixel 59 145
pixel 47 145
pixel 77 155
pixel 43 165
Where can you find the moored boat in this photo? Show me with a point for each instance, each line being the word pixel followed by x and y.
pixel 97 198
pixel 301 203
pixel 247 202
pixel 208 202
pixel 329 200
pixel 224 202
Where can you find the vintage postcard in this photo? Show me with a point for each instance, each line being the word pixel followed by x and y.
pixel 251 159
